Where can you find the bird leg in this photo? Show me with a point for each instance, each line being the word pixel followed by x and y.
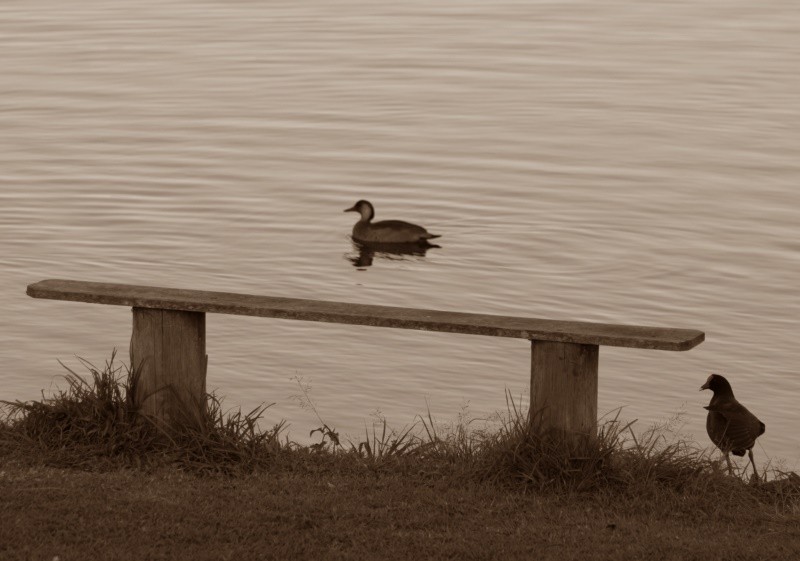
pixel 730 465
pixel 752 462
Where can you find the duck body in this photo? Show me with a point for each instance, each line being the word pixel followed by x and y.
pixel 729 424
pixel 386 231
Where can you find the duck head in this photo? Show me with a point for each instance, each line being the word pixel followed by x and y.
pixel 364 208
pixel 717 384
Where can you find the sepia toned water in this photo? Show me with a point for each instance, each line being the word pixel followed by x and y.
pixel 621 162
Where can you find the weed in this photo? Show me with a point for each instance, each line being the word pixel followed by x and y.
pixel 94 422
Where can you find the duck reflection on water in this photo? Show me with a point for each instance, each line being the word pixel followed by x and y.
pixel 364 253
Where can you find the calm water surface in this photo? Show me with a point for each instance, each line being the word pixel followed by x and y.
pixel 618 162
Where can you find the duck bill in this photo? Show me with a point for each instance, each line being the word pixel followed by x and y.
pixel 704 386
pixel 351 209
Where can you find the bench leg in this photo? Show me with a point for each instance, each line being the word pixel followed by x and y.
pixel 564 393
pixel 168 350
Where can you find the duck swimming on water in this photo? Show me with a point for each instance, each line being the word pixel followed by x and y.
pixel 386 231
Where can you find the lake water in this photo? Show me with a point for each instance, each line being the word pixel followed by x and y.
pixel 622 162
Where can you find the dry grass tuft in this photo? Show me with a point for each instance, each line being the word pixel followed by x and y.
pixel 94 424
pixel 91 422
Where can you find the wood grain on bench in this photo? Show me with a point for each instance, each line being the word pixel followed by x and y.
pixel 586 333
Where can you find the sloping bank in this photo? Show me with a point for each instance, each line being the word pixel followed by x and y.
pixel 83 477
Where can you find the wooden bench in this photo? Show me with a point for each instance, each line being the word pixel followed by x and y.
pixel 168 345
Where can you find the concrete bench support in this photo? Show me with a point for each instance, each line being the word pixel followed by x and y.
pixel 168 345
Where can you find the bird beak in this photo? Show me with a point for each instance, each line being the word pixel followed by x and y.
pixel 704 386
pixel 351 209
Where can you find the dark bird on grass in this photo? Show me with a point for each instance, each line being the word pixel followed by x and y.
pixel 386 231
pixel 729 424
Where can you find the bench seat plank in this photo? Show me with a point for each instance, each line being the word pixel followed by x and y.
pixel 585 333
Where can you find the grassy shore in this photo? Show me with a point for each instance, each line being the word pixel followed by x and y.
pixel 83 477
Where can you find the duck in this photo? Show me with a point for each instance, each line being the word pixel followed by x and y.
pixel 730 425
pixel 386 231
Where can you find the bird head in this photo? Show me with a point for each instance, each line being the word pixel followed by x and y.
pixel 717 384
pixel 364 208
